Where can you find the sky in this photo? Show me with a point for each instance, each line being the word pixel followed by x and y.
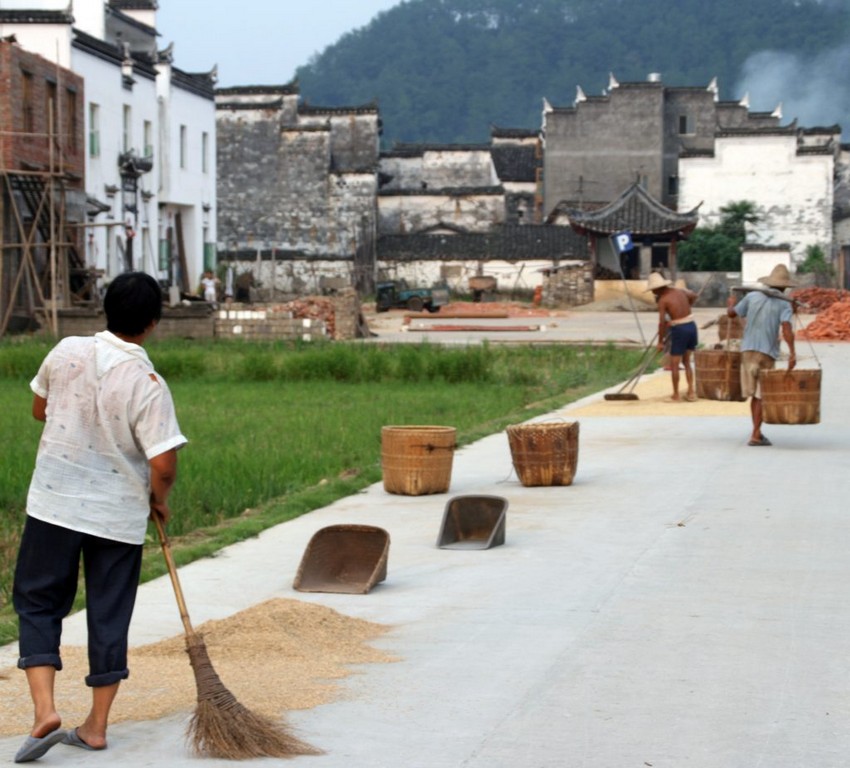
pixel 257 42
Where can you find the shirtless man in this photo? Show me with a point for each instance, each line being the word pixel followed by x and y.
pixel 675 318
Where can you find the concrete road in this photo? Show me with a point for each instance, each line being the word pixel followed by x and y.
pixel 682 603
pixel 623 327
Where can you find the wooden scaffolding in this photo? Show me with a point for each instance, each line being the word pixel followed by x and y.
pixel 41 268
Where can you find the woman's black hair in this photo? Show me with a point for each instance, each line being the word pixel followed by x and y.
pixel 133 301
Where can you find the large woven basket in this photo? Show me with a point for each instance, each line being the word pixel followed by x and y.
pixel 791 397
pixel 417 460
pixel 730 327
pixel 544 454
pixel 718 374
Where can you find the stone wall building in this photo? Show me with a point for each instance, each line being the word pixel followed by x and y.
pixel 635 131
pixel 307 197
pixel 297 187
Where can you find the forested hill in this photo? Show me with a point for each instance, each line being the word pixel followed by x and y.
pixel 445 71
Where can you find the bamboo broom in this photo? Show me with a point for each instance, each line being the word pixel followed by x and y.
pixel 221 726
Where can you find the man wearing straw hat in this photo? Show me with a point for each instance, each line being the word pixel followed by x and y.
pixel 768 313
pixel 676 325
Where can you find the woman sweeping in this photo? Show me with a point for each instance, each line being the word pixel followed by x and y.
pixel 107 460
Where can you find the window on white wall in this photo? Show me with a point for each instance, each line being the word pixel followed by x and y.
pixel 205 149
pixel 182 146
pixel 127 134
pixel 147 250
pixel 148 137
pixel 94 130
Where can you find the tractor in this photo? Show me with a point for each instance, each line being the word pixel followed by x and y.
pixel 392 294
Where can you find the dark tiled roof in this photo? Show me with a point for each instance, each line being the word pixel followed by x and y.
pixel 236 106
pixel 400 149
pixel 768 130
pixel 515 162
pixel 363 109
pixel 686 88
pixel 763 247
pixel 513 133
pixel 35 17
pixel 444 192
pixel 142 64
pixel 318 128
pixel 129 20
pixel 199 84
pixel 635 211
pixel 290 89
pixel 134 5
pixel 815 150
pixel 645 85
pixel 821 130
pixel 509 242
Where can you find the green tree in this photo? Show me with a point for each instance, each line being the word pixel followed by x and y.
pixel 470 64
pixel 718 249
pixel 816 264
pixel 709 250
pixel 735 217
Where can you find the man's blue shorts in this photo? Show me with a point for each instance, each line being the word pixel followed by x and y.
pixel 683 338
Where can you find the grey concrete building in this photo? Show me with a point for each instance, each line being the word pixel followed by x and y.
pixel 637 131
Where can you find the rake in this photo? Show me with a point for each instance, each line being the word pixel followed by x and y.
pixel 626 391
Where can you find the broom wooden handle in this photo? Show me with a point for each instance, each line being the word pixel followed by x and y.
pixel 172 572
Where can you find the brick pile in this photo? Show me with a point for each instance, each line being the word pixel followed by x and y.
pixel 831 324
pixel 309 308
pixel 818 299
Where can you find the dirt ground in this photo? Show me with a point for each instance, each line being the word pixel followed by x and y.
pixel 275 657
pixel 396 320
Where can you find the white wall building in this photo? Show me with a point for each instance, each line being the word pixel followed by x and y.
pixel 150 128
pixel 789 174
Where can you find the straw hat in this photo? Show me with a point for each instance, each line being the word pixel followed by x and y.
pixel 779 277
pixel 657 281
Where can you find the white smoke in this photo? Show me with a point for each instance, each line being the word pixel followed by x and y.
pixel 816 91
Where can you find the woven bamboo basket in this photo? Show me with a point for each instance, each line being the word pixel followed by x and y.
pixel 718 374
pixel 791 397
pixel 544 454
pixel 417 460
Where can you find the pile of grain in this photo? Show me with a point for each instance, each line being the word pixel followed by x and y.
pixel 278 656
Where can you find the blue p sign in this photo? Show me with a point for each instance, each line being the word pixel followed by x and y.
pixel 623 241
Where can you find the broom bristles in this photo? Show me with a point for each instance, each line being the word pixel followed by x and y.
pixel 222 727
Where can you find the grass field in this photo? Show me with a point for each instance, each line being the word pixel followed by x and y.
pixel 277 430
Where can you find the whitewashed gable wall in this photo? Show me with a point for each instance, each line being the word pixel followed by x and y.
pixel 793 193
